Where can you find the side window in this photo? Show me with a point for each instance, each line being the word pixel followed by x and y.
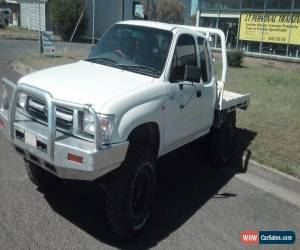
pixel 184 54
pixel 204 60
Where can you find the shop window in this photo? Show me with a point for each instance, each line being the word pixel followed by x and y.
pixel 215 4
pixel 208 22
pixel 272 4
pixel 247 4
pixel 204 4
pixel 285 4
pixel 258 4
pixel 294 51
pixel 230 29
pixel 274 49
pixel 250 46
pixel 230 4
pixel 297 4
pixel 210 4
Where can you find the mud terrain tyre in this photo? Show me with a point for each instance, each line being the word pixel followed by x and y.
pixel 40 177
pixel 222 141
pixel 131 192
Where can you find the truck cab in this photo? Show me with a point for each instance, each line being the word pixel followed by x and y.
pixel 146 89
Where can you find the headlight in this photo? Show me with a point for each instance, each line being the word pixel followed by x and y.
pixel 88 123
pixel 22 100
pixel 106 123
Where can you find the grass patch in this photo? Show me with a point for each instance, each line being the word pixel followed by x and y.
pixel 21 33
pixel 273 113
pixel 36 61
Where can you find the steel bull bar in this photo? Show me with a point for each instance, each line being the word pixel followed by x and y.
pixel 97 159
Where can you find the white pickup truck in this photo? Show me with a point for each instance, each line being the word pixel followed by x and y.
pixel 146 89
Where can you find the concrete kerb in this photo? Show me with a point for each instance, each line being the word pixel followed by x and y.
pixel 276 177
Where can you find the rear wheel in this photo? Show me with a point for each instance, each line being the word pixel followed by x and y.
pixel 222 140
pixel 131 192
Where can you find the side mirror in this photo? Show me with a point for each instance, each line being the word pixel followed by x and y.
pixel 192 73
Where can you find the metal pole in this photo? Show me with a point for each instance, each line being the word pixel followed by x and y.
pixel 217 26
pixel 93 39
pixel 290 30
pixel 40 26
pixel 239 26
pixel 238 33
pixel 263 27
pixel 198 14
pixel 198 18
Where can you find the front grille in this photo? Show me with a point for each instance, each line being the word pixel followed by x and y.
pixel 38 110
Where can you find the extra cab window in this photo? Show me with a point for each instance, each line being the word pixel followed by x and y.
pixel 184 54
pixel 204 60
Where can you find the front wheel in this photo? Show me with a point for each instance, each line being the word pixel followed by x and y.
pixel 40 177
pixel 131 192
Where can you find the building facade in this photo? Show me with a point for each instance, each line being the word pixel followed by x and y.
pixel 107 13
pixel 34 14
pixel 269 27
pixel 10 12
pixel 112 11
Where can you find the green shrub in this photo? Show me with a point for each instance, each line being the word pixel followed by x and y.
pixel 65 14
pixel 235 57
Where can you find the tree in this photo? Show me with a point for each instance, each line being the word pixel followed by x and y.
pixel 168 11
pixel 65 14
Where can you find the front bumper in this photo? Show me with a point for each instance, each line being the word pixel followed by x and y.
pixel 50 148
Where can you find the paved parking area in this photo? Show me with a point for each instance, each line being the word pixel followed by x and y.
pixel 197 207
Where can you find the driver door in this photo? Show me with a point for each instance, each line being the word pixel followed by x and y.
pixel 182 107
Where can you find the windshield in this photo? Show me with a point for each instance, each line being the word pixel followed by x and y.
pixel 139 49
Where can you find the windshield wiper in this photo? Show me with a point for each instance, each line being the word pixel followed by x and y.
pixel 123 66
pixel 135 66
pixel 102 59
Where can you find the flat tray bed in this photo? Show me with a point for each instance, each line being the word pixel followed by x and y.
pixel 232 101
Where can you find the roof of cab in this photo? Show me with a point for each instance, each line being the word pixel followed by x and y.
pixel 151 24
pixel 162 26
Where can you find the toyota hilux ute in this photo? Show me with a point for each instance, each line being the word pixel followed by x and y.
pixel 146 89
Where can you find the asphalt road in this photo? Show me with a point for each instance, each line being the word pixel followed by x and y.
pixel 197 206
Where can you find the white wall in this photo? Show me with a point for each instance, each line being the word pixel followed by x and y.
pixel 107 12
pixel 29 12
